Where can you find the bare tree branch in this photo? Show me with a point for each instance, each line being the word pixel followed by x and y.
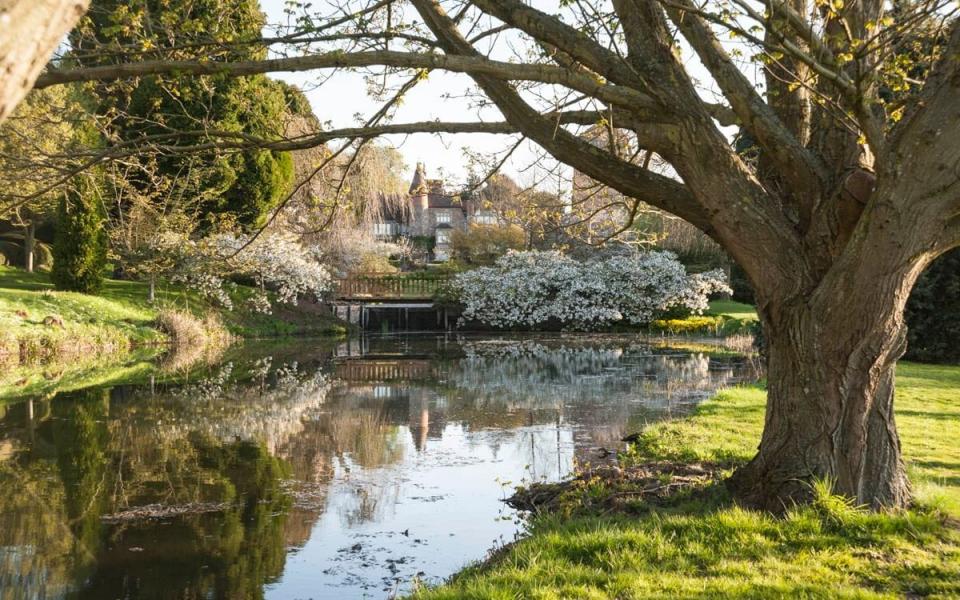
pixel 615 94
pixel 803 169
pixel 630 179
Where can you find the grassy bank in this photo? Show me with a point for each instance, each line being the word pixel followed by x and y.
pixel 722 318
pixel 38 322
pixel 699 545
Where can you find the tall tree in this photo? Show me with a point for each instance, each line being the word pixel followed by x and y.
pixel 243 184
pixel 32 141
pixel 80 245
pixel 852 196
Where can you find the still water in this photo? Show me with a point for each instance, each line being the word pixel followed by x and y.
pixel 320 469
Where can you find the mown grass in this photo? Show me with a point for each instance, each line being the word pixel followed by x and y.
pixel 928 417
pixel 723 318
pixel 703 546
pixel 119 317
pixel 732 309
pixel 112 320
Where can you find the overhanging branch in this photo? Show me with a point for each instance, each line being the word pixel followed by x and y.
pixel 627 178
pixel 474 65
pixel 546 28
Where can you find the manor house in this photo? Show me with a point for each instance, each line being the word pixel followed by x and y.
pixel 431 212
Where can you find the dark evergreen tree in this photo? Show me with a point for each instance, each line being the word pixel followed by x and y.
pixel 241 185
pixel 80 242
pixel 933 312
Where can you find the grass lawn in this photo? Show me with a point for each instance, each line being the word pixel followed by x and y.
pixel 723 318
pixel 732 309
pixel 702 546
pixel 119 316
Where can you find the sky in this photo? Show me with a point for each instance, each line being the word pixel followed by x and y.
pixel 343 98
pixel 340 100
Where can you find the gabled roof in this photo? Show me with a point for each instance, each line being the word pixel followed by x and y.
pixel 433 188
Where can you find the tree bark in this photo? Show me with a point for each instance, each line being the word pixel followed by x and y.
pixel 29 33
pixel 825 420
pixel 832 348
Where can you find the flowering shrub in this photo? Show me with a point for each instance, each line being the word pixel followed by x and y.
pixel 276 261
pixel 529 289
pixel 273 261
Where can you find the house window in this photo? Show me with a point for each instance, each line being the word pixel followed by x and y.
pixel 443 237
pixel 485 218
pixel 384 229
pixel 443 217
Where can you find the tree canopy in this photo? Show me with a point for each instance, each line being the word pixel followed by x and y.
pixel 244 184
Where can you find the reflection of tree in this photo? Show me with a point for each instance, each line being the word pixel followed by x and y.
pixel 353 438
pixel 80 438
pixel 231 553
pixel 36 542
pixel 91 458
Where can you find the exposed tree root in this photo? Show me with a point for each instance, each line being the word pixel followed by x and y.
pixel 616 489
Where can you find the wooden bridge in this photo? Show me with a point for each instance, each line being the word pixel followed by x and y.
pixel 408 287
pixel 391 301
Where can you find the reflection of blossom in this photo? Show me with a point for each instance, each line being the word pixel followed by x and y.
pixel 534 375
pixel 227 410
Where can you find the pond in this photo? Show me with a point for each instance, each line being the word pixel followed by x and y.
pixel 317 469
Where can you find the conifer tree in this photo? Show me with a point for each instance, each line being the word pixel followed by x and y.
pixel 80 243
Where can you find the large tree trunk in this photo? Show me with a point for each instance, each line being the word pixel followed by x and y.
pixel 832 348
pixel 826 418
pixel 29 33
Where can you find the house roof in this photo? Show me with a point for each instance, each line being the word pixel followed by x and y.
pixel 436 196
pixel 438 199
pixel 419 178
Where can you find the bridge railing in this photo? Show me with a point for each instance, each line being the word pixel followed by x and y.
pixel 390 285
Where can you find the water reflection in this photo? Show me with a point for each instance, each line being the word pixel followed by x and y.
pixel 314 471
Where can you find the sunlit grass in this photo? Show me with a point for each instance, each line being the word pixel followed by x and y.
pixel 709 548
pixel 733 309
pixel 927 409
pixel 120 317
pixel 112 320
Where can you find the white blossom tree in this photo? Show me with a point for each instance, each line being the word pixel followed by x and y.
pixel 532 289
